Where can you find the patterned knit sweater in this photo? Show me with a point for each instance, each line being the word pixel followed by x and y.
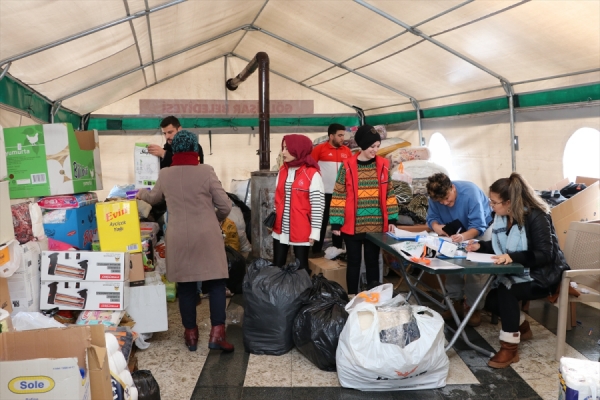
pixel 368 215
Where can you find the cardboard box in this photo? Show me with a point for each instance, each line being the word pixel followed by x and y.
pixel 5 303
pixel 85 266
pixel 83 345
pixel 76 226
pixel 52 159
pixel 136 273
pixel 119 226
pixel 24 283
pixel 7 231
pixel 84 295
pixel 333 270
pixel 148 308
pixel 584 206
pixel 146 167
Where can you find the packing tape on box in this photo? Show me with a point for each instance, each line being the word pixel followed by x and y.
pixel 4 320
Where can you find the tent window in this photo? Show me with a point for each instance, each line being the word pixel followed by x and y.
pixel 581 156
pixel 440 152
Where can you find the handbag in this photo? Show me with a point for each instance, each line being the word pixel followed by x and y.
pixel 270 220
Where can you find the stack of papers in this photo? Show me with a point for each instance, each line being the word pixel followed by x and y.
pixel 480 257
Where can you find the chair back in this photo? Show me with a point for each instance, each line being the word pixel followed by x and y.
pixel 582 250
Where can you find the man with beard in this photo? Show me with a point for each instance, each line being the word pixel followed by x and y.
pixel 169 127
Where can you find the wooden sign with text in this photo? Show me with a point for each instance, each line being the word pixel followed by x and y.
pixel 219 107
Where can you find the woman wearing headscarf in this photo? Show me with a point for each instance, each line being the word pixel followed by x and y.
pixel 299 201
pixel 195 250
pixel 522 232
pixel 363 201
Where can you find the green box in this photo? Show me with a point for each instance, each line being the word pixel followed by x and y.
pixel 52 159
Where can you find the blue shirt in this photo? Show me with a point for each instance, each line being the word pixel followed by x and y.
pixel 471 208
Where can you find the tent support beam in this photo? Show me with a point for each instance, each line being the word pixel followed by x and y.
pixel 334 63
pixel 417 32
pixel 511 107
pixel 54 110
pixel 5 70
pixel 89 32
pixel 417 107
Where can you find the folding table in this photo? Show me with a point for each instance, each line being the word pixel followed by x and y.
pixel 385 241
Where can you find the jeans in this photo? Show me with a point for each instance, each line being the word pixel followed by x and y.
pixel 188 294
pixel 505 303
pixel 280 252
pixel 354 253
pixel 335 239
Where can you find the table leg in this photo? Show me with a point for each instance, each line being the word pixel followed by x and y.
pixel 460 331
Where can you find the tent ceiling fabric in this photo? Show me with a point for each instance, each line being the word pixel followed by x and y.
pixel 357 52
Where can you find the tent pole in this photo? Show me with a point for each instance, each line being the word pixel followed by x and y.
pixel 5 70
pixel 260 61
pixel 417 107
pixel 511 107
pixel 89 32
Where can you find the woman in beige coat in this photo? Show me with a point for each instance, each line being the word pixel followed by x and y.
pixel 194 240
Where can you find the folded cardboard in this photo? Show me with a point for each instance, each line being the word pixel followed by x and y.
pixel 76 226
pixel 333 270
pixel 148 308
pixel 24 283
pixel 85 266
pixel 119 226
pixel 52 159
pixel 136 273
pixel 146 166
pixel 84 295
pixel 7 231
pixel 83 346
pixel 584 206
pixel 5 303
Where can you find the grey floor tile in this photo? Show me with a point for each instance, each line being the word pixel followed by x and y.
pixel 266 393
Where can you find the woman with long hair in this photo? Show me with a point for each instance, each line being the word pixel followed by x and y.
pixel 299 201
pixel 522 232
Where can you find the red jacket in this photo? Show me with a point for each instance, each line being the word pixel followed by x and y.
pixel 351 166
pixel 300 213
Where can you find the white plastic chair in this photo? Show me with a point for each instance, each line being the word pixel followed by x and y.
pixel 582 252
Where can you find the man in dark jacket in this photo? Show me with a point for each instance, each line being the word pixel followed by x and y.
pixel 169 127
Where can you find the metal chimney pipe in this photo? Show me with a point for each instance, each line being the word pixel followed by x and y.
pixel 260 61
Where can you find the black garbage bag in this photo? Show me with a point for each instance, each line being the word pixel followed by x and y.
pixel 272 298
pixel 236 264
pixel 319 323
pixel 146 385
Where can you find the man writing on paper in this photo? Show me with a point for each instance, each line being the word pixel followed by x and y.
pixel 461 211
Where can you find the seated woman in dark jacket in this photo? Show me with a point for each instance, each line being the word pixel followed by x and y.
pixel 522 232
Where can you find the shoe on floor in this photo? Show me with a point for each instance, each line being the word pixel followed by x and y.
pixel 475 319
pixel 525 330
pixel 458 307
pixel 507 355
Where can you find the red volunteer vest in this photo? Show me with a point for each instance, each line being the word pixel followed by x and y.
pixel 300 212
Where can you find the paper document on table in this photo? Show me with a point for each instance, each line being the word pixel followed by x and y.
pixel 480 257
pixel 401 234
pixel 413 249
pixel 436 263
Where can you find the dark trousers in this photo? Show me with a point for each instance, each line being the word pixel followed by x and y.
pixel 188 294
pixel 280 252
pixel 354 247
pixel 335 239
pixel 504 302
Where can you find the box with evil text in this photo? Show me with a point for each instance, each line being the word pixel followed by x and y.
pixel 119 226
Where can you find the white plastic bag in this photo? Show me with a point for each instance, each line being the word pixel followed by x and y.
pixel 376 296
pixel 364 363
pixel 578 379
pixel 25 321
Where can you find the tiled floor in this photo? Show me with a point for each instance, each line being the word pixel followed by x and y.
pixel 206 374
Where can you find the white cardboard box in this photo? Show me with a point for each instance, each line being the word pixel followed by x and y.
pixel 7 231
pixel 43 378
pixel 146 167
pixel 148 308
pixel 84 295
pixel 85 266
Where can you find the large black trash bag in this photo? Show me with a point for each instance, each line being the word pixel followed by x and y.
pixel 246 212
pixel 236 264
pixel 146 385
pixel 318 325
pixel 272 298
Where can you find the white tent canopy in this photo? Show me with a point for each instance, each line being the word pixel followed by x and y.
pixel 382 56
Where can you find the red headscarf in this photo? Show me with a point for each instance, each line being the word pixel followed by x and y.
pixel 300 147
